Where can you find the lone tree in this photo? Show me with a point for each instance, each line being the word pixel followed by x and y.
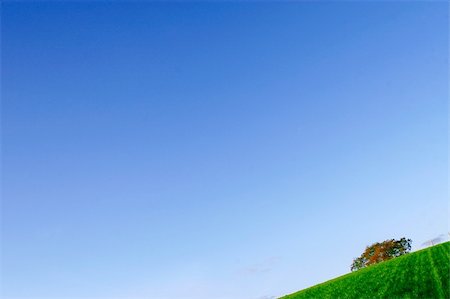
pixel 379 252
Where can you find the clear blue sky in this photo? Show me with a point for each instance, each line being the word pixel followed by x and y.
pixel 216 150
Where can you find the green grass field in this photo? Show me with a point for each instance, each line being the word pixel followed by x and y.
pixel 421 274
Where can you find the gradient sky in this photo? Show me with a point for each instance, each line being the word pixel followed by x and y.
pixel 223 150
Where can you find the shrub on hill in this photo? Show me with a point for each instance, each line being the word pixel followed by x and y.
pixel 379 252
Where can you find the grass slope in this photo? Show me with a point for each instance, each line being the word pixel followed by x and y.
pixel 421 274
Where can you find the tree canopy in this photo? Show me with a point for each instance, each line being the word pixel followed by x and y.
pixel 379 252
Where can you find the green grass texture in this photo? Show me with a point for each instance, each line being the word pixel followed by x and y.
pixel 421 274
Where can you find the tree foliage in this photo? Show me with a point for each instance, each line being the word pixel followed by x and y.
pixel 379 252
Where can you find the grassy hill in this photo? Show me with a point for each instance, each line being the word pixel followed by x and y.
pixel 421 274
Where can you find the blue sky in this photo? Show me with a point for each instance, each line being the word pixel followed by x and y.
pixel 216 149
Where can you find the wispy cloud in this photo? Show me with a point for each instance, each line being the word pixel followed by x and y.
pixel 261 267
pixel 436 240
